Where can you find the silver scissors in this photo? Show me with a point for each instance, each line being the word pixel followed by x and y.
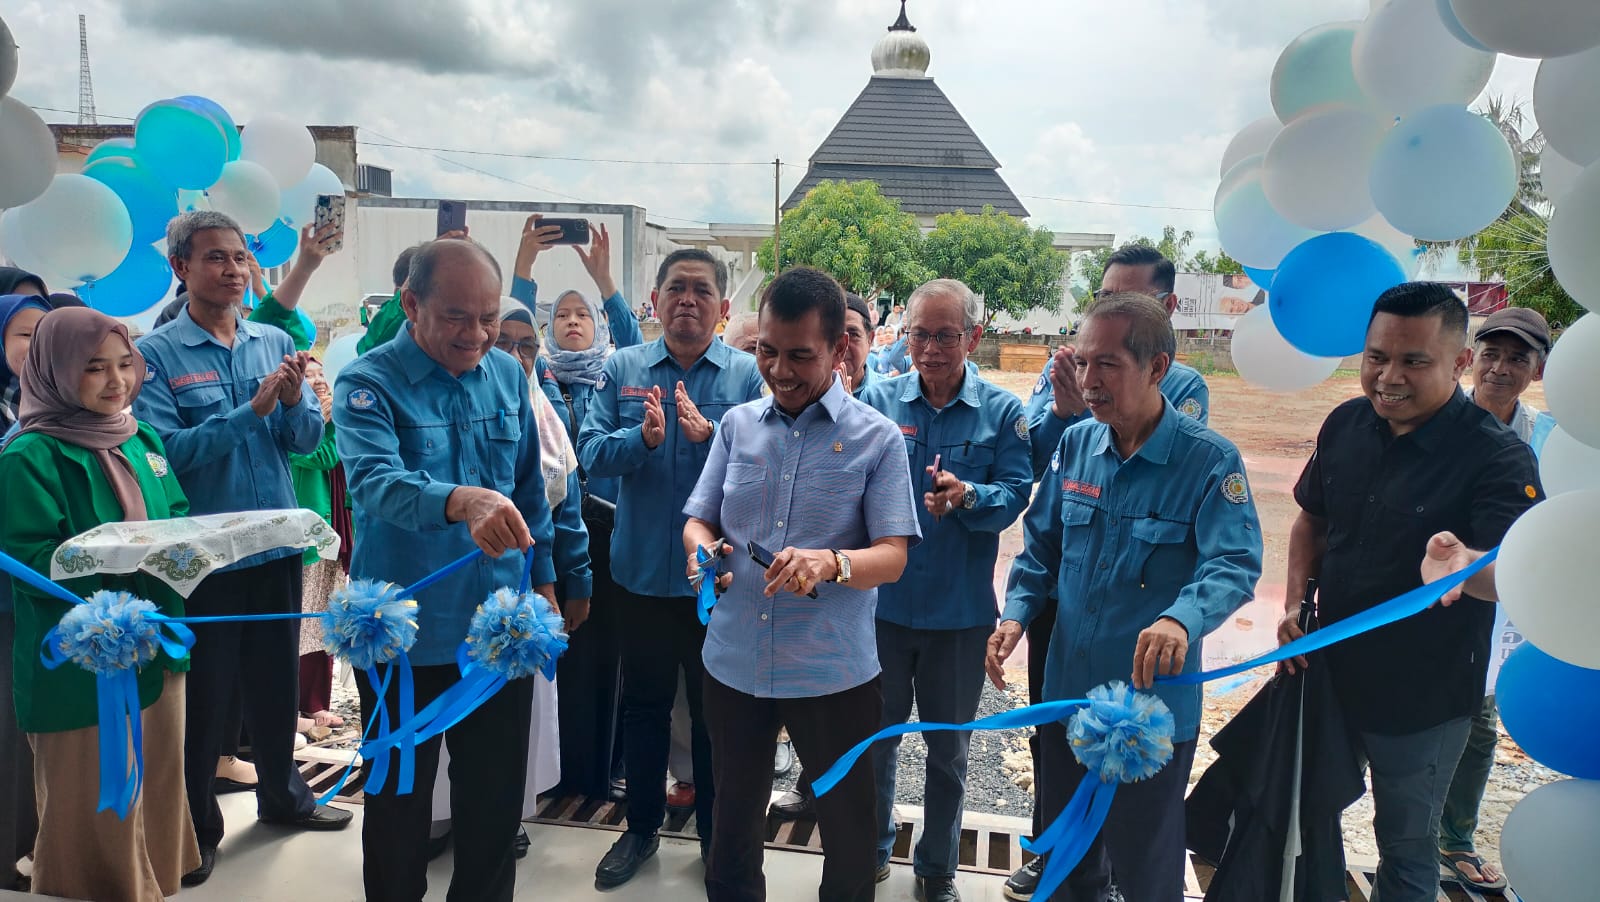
pixel 712 555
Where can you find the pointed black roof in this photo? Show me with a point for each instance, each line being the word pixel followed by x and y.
pixel 906 135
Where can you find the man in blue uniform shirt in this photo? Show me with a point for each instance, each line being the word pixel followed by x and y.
pixel 1057 403
pixel 968 447
pixel 834 473
pixel 437 431
pixel 1145 531
pixel 650 423
pixel 229 399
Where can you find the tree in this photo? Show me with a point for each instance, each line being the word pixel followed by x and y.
pixel 855 234
pixel 1174 245
pixel 1514 249
pixel 1015 268
pixel 1221 264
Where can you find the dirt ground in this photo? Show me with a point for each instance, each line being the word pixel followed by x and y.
pixel 1276 433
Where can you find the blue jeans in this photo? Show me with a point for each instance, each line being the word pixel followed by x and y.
pixel 942 671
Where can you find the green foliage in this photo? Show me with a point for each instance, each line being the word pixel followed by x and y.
pixel 1514 249
pixel 1174 245
pixel 1221 264
pixel 852 232
pixel 1204 363
pixel 1015 268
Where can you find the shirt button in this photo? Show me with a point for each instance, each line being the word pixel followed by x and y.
pixel 1082 654
pixel 787 477
pixel 464 427
pixel 763 616
pixel 797 433
pixel 473 471
pixel 1371 498
pixel 780 524
pixel 1104 565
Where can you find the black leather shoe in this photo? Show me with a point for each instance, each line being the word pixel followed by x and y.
pixel 519 843
pixel 624 859
pixel 208 863
pixel 937 889
pixel 436 845
pixel 322 817
pixel 782 760
pixel 1021 885
pixel 793 805
pixel 883 873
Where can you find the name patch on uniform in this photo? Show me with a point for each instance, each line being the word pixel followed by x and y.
pixel 1190 408
pixel 149 373
pixel 1235 489
pixel 1022 428
pixel 361 399
pixel 188 378
pixel 630 391
pixel 1080 488
pixel 909 431
pixel 158 464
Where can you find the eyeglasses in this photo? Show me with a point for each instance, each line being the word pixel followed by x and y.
pixel 1104 293
pixel 526 348
pixel 943 339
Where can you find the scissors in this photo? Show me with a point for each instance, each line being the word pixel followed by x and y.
pixel 705 557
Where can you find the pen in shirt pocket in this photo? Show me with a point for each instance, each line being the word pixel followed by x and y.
pixel 933 479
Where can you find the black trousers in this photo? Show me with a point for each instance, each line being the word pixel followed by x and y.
pixel 488 769
pixel 743 729
pixel 590 676
pixel 1143 837
pixel 660 637
pixel 260 662
pixel 1038 648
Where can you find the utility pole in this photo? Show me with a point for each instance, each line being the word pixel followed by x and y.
pixel 777 216
pixel 85 85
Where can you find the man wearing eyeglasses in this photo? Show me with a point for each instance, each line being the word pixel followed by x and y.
pixel 967 442
pixel 1057 403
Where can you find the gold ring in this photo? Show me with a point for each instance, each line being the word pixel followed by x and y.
pixel 802 581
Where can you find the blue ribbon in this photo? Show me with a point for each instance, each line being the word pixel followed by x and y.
pixel 708 584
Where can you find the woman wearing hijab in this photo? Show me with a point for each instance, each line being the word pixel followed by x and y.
pixel 20 281
pixel 19 316
pixel 559 462
pixel 81 460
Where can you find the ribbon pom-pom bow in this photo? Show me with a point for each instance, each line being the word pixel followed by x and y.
pixel 110 633
pixel 370 622
pixel 517 634
pixel 1122 736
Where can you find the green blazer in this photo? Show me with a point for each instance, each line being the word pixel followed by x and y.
pixel 309 473
pixel 54 491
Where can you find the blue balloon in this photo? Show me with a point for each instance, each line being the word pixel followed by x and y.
pixel 275 246
pixel 1262 277
pixel 111 147
pixel 1552 709
pixel 180 145
pixel 229 127
pixel 138 284
pixel 151 205
pixel 308 324
pixel 1322 294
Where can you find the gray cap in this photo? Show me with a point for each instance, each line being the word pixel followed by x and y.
pixel 1525 324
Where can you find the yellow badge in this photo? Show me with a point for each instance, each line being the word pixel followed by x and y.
pixel 1530 491
pixel 839 447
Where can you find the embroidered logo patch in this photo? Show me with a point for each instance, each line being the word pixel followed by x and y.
pixel 361 399
pixel 908 431
pixel 1055 461
pixel 1038 387
pixel 1022 428
pixel 1080 488
pixel 600 383
pixel 158 464
pixel 149 373
pixel 1235 489
pixel 1190 408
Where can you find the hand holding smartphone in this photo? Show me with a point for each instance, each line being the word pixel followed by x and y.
pixel 573 231
pixel 763 559
pixel 330 211
pixel 452 217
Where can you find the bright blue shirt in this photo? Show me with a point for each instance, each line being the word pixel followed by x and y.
pixel 1170 532
pixel 894 357
pixel 409 433
pixel 869 376
pixel 835 477
pixel 981 437
pixel 647 544
pixel 1183 386
pixel 196 396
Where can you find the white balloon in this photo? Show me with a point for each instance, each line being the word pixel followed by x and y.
pixel 340 352
pixel 1573 236
pixel 1536 29
pixel 1252 140
pixel 1250 230
pixel 8 59
pixel 1557 175
pixel 1406 59
pixel 300 200
pixel 1263 357
pixel 1402 246
pixel 1571 379
pixel 1545 576
pixel 1316 171
pixel 246 191
pixel 1314 72
pixel 1568 107
pixel 1443 173
pixel 1568 465
pixel 78 227
pixel 190 199
pixel 1551 838
pixel 280 145
pixel 27 153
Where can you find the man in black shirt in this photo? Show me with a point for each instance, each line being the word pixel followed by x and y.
pixel 1412 459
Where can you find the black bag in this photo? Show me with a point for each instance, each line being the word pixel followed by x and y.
pixel 599 515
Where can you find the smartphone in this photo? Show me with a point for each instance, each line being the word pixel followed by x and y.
pixel 573 231
pixel 330 209
pixel 452 216
pixel 763 559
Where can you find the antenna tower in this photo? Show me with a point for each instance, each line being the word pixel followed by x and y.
pixel 85 85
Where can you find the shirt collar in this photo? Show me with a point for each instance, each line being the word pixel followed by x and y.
pixel 968 394
pixel 192 335
pixel 832 403
pixel 1158 447
pixel 414 361
pixel 717 354
pixel 1430 436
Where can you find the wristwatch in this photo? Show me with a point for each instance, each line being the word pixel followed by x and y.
pixel 969 497
pixel 842 563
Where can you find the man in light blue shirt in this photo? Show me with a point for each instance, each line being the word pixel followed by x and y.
pixel 229 399
pixel 967 443
pixel 650 423
pixel 821 480
pixel 1146 532
pixel 437 431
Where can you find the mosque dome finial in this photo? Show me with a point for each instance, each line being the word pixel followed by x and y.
pixel 901 53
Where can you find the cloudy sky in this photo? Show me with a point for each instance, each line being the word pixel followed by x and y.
pixel 1128 104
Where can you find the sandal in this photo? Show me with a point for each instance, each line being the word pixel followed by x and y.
pixel 1458 862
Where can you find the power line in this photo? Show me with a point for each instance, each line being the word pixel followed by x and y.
pixel 1109 203
pixel 537 156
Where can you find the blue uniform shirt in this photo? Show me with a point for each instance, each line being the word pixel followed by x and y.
pixel 647 544
pixel 1183 386
pixel 869 376
pixel 834 477
pixel 981 437
pixel 409 433
pixel 1170 532
pixel 197 395
pixel 620 318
